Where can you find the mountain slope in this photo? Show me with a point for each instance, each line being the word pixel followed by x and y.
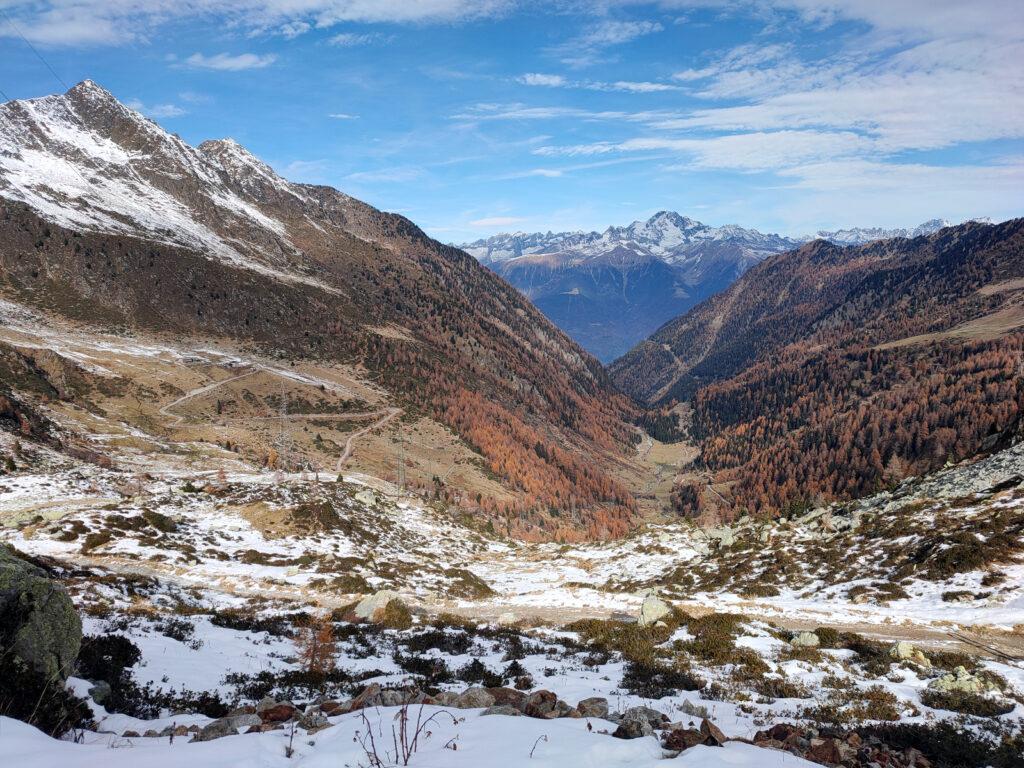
pixel 780 368
pixel 609 290
pixel 108 219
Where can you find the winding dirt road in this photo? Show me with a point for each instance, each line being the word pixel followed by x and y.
pixel 386 415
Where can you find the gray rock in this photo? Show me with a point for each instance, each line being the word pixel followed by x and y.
pixel 653 608
pixel 474 697
pixel 502 709
pixel 313 721
pixel 218 729
pixel 907 651
pixel 962 680
pixel 372 607
pixel 652 717
pixel 805 640
pixel 596 706
pixel 243 721
pixel 100 691
pixel 42 627
pixel 633 729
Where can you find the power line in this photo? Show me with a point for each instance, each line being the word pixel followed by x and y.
pixel 33 48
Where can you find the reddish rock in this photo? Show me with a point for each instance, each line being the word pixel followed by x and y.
pixel 331 708
pixel 713 735
pixel 540 703
pixel 365 699
pixel 824 751
pixel 509 696
pixel 682 738
pixel 279 713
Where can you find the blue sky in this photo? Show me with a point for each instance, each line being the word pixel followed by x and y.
pixel 478 117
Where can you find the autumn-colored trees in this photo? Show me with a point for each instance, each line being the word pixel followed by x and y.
pixel 316 647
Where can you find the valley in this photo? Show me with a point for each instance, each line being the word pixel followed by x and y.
pixel 284 480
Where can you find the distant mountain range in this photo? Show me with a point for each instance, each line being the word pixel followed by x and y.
pixel 609 290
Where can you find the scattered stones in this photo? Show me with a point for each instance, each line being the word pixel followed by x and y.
pixel 313 721
pixel 652 610
pixel 596 706
pixel 639 721
pixel 805 640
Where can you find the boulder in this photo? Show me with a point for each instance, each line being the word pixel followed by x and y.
pixel 508 696
pixel 639 721
pixel 907 651
pixel 713 735
pixel 502 709
pixel 962 681
pixel 805 640
pixel 100 691
pixel 633 729
pixel 279 713
pixel 652 609
pixel 368 698
pixel 372 607
pixel 243 721
pixel 216 730
pixel 680 739
pixel 313 721
pixel 331 707
pixel 446 699
pixel 367 498
pixel 540 703
pixel 474 697
pixel 595 706
pixel 38 622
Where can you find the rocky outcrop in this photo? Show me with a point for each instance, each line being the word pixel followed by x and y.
pixel 907 651
pixel 38 621
pixel 805 640
pixel 961 681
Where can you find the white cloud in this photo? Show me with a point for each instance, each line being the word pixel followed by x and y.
pixel 352 39
pixel 536 78
pixel 745 152
pixel 157 110
pixel 587 48
pixel 343 116
pixel 294 29
pixel 116 22
pixel 228 63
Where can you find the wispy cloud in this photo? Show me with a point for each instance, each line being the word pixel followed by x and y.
pixel 157 111
pixel 559 81
pixel 225 62
pixel 116 22
pixel 343 116
pixel 353 39
pixel 588 47
pixel 396 175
